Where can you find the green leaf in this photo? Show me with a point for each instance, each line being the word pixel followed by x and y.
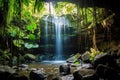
pixel 38 5
pixel 92 56
pixel 6 55
pixel 32 37
pixel 26 2
pixel 30 45
pixel 18 43
pixel 31 27
pixel 12 31
pixel 77 62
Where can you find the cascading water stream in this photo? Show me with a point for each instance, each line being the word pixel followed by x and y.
pixel 58 35
pixel 46 30
pixel 59 26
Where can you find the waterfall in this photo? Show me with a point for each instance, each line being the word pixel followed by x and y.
pixel 59 29
pixel 61 24
pixel 58 35
pixel 46 34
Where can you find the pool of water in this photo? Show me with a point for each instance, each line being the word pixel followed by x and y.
pixel 56 62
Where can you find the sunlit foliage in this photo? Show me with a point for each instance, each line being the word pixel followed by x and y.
pixel 64 8
pixel 20 21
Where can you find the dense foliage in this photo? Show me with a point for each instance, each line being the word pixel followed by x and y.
pixel 20 22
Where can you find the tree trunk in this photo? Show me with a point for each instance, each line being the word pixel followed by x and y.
pixel 94 40
pixel 94 28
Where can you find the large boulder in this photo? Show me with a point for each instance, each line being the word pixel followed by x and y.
pixel 77 75
pixel 86 57
pixel 29 57
pixel 74 58
pixel 67 77
pixel 23 66
pixel 104 59
pixel 107 73
pixel 100 70
pixel 64 69
pixel 84 74
pixel 37 75
pixel 4 68
pixel 5 72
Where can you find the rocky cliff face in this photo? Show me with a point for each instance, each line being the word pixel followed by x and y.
pixel 108 31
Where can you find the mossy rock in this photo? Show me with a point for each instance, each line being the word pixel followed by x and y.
pixel 29 57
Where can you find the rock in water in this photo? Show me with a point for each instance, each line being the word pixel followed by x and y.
pixel 37 75
pixel 64 69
